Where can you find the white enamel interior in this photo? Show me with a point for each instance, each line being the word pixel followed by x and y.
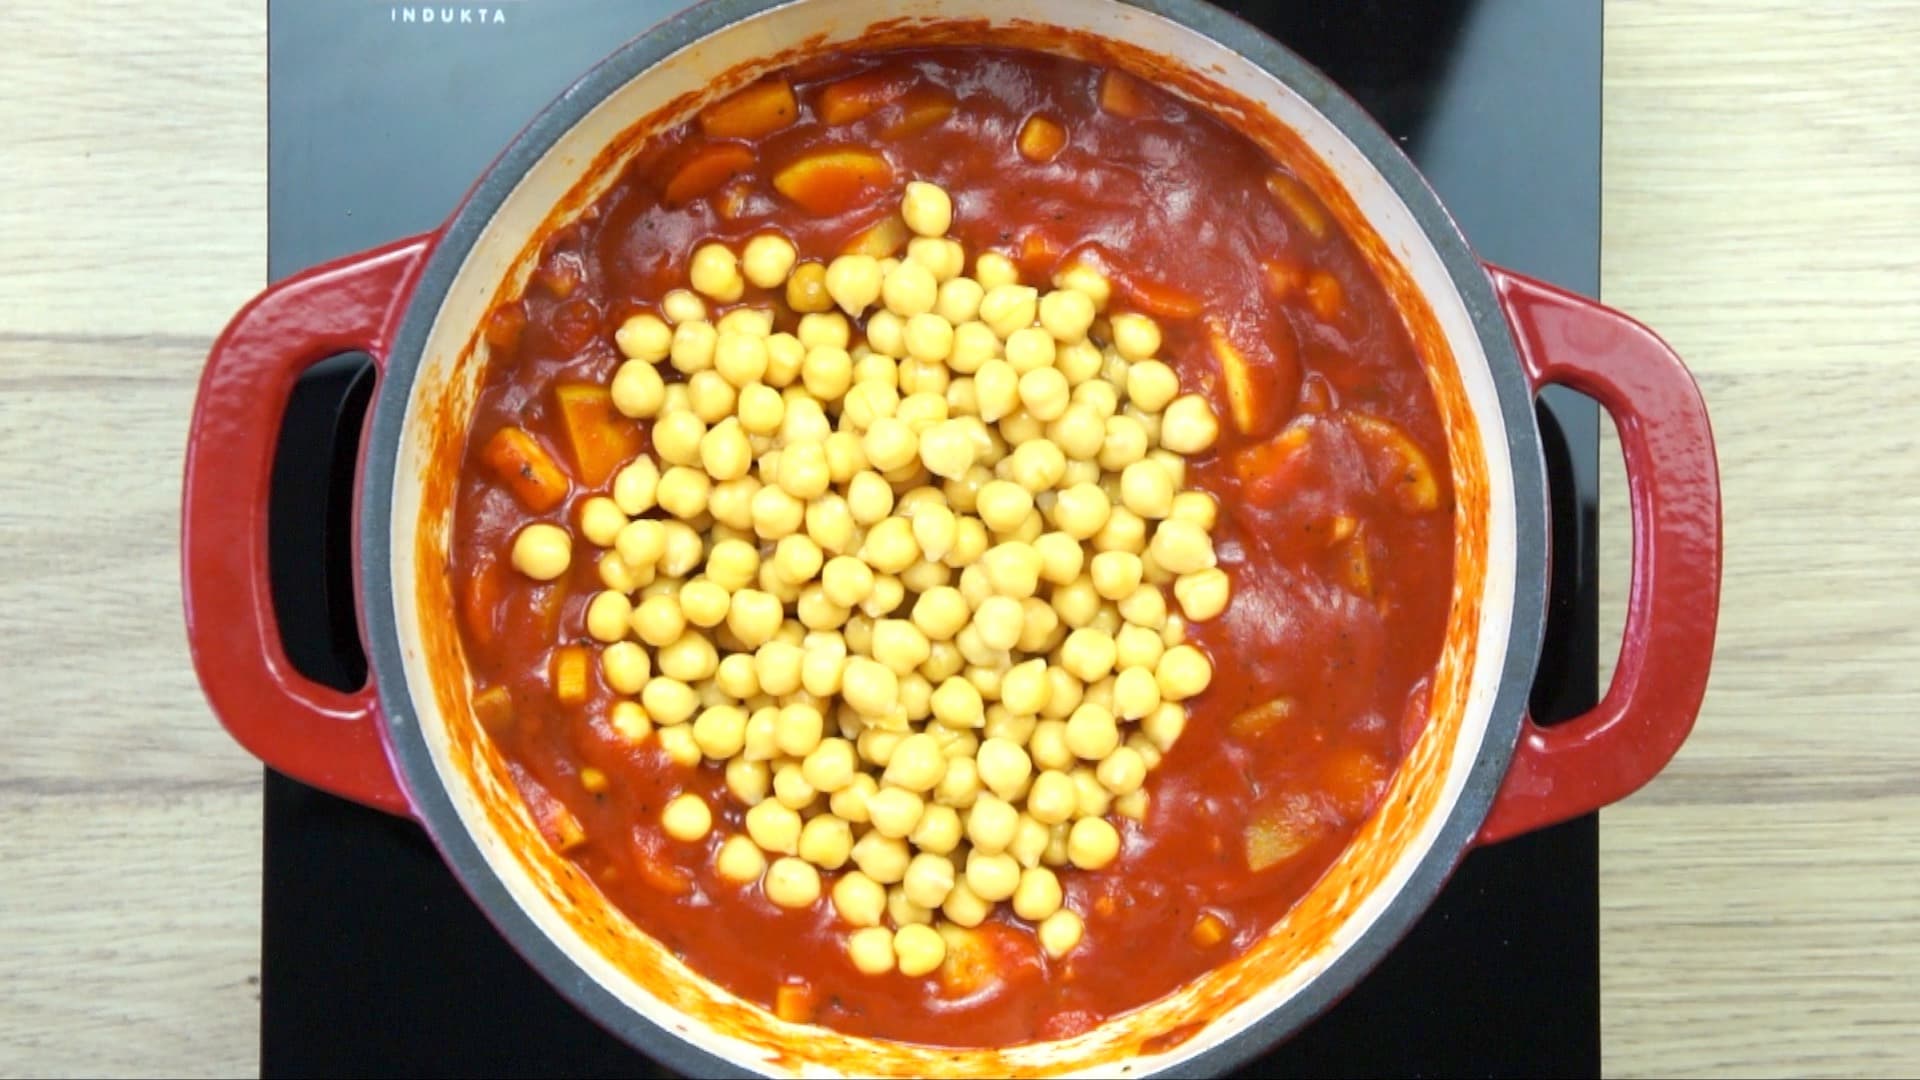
pixel 443 378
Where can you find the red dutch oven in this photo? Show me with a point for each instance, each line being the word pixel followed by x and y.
pixel 1481 770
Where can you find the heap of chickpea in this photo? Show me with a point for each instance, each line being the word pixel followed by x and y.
pixel 908 592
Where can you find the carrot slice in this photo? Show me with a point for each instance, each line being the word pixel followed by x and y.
pixel 705 169
pixel 795 1002
pixel 601 438
pixel 758 110
pixel 833 181
pixel 520 463
pixel 1209 930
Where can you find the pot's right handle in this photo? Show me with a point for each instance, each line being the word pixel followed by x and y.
pixel 1673 484
pixel 313 733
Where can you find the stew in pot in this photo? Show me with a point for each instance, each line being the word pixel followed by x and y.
pixel 953 542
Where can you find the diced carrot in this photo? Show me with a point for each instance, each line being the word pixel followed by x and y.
pixel 1325 295
pixel 795 1002
pixel 569 674
pixel 921 109
pixel 493 708
pixel 704 169
pixel 858 96
pixel 1160 299
pixel 593 780
pixel 881 239
pixel 1260 719
pixel 755 111
pixel 1041 139
pixel 520 463
pixel 1123 95
pixel 1299 202
pixel 601 438
pixel 833 181
pixel 1411 476
pixel 1209 930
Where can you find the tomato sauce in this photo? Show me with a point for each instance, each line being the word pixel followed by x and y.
pixel 1335 524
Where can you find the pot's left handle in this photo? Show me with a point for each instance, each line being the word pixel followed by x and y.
pixel 313 733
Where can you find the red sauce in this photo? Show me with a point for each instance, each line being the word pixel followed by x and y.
pixel 1341 587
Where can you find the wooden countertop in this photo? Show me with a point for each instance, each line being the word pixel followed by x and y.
pixel 1762 194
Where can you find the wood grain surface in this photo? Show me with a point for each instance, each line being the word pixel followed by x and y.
pixel 1762 196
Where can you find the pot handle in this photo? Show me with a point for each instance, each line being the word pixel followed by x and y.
pixel 313 733
pixel 1673 486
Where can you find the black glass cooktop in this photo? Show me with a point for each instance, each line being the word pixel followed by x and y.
pixel 382 113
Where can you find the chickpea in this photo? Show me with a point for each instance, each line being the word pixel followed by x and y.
pixel 1181 547
pixel 791 882
pixel 870 687
pixel 1091 732
pixel 854 283
pixel 1038 895
pixel 1004 767
pixel 625 667
pixel 918 949
pixel 767 259
pixel 859 899
pixel 1203 593
pixel 686 818
pixel 992 876
pixel 1123 771
pixel 991 823
pixel 974 342
pixel 798 728
pixel 908 290
pixel 1136 690
pixel 680 306
pixel 870 950
pixel 928 210
pixel 748 781
pixel 691 352
pixel 1183 671
pixel 807 288
pixel 1012 568
pixel 938 831
pixel 1115 574
pixel 928 880
pixel 1092 843
pixel 716 272
pixel 826 841
pixel 929 339
pixel 1189 426
pixel 609 616
pixel 961 786
pixel 1024 688
pixel 774 826
pixel 850 802
pixel 739 861
pixel 1007 308
pixel 1060 932
pixel 1067 314
pixel 542 551
pixel 882 858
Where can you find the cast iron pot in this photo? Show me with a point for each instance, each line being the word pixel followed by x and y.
pixel 1481 771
